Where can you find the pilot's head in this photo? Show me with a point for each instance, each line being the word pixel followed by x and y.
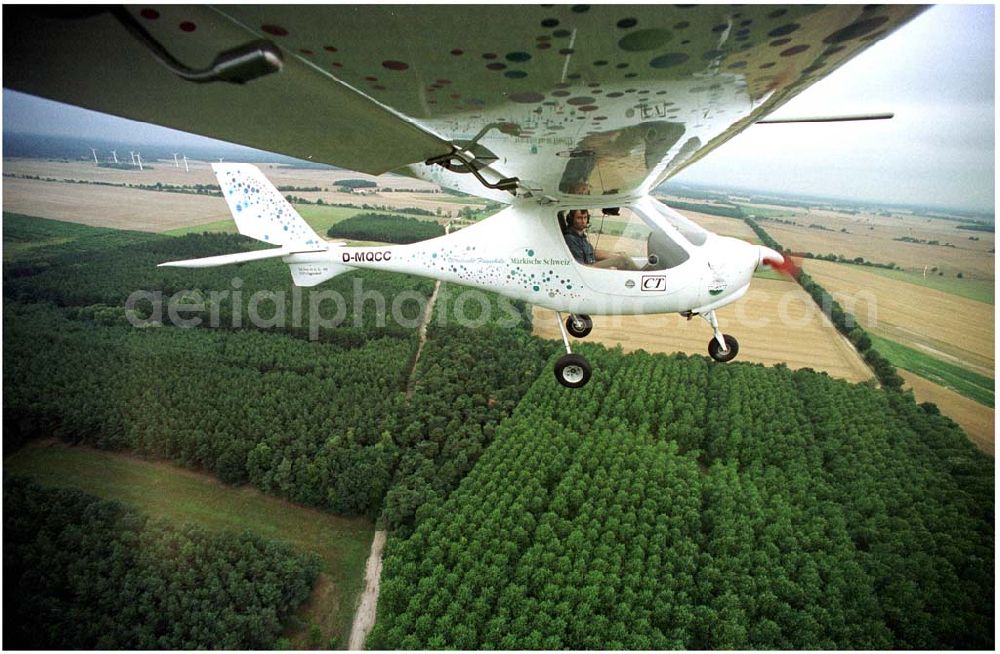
pixel 579 219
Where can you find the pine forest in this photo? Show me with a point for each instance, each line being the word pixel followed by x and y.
pixel 672 503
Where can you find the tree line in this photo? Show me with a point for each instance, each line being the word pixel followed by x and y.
pixel 844 321
pixel 385 228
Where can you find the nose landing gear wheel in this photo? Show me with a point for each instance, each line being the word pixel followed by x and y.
pixel 716 352
pixel 579 326
pixel 572 371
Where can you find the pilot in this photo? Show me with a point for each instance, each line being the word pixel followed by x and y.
pixel 575 233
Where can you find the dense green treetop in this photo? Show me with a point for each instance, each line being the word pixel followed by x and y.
pixel 85 573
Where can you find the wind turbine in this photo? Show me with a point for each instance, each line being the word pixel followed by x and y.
pixel 94 152
pixel 114 154
pixel 186 164
pixel 138 158
pixel 176 165
pixel 132 154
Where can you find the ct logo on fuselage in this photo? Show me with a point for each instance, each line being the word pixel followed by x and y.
pixel 653 283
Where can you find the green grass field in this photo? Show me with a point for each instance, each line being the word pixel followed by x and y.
pixel 964 382
pixel 980 290
pixel 22 234
pixel 179 495
pixel 765 212
pixel 319 218
pixel 767 273
pixel 226 226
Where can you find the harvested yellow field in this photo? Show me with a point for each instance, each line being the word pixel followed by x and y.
pixel 200 172
pixel 874 239
pixel 977 420
pixel 775 322
pixel 946 326
pixel 155 171
pixel 120 207
pixel 110 206
pixel 722 225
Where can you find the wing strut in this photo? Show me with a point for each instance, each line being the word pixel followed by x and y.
pixel 504 184
pixel 237 66
pixel 826 119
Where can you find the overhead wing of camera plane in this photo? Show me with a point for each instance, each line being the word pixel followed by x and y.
pixel 545 108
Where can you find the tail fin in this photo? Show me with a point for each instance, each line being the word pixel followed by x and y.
pixel 260 211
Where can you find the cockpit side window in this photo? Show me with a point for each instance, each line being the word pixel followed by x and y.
pixel 690 230
pixel 619 239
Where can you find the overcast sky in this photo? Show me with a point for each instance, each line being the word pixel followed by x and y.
pixel 936 74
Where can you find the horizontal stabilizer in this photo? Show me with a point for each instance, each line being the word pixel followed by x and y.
pixel 226 259
pixel 311 274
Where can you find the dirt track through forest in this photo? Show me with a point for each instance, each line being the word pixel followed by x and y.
pixel 364 619
pixel 428 312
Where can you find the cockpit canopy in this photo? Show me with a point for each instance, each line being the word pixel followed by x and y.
pixel 652 235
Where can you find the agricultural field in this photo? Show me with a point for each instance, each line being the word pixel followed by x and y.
pixel 980 290
pixel 200 173
pixel 775 322
pixel 723 225
pixel 943 325
pixel 182 496
pixel 98 204
pixel 111 206
pixel 958 378
pixel 875 239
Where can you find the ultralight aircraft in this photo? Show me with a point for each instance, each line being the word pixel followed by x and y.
pixel 552 110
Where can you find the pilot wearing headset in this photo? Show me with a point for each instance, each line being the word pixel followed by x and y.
pixel 575 233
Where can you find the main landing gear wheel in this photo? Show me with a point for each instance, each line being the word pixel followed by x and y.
pixel 716 352
pixel 572 371
pixel 579 326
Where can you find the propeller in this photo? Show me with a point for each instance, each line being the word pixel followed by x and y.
pixel 777 261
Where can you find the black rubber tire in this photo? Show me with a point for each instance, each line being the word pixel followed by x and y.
pixel 572 371
pixel 587 326
pixel 715 351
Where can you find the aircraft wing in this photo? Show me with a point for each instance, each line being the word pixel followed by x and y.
pixel 569 99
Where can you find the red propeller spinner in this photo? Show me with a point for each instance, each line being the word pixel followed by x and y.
pixel 777 261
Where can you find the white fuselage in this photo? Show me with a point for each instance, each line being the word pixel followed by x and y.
pixel 521 253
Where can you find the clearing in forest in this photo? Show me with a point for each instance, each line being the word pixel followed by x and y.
pixel 180 495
